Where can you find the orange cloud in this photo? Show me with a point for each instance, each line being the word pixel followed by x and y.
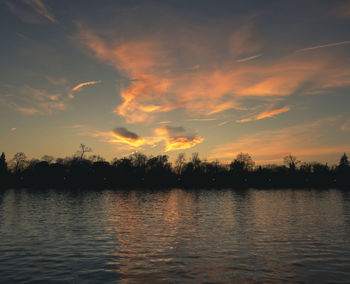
pixel 265 114
pixel 157 86
pixel 122 136
pixel 176 138
pixel 143 97
pixel 304 140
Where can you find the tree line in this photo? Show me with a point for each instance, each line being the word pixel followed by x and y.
pixel 141 171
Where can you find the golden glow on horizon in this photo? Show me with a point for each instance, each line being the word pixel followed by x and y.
pixel 270 145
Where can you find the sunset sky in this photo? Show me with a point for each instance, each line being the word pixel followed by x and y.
pixel 166 77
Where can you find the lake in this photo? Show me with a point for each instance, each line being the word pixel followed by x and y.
pixel 176 236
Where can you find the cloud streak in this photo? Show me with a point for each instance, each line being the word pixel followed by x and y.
pixel 79 87
pixel 265 114
pixel 324 46
pixel 201 119
pixel 242 60
pixel 39 7
pixel 27 110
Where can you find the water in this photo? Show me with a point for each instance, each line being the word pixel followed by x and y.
pixel 177 236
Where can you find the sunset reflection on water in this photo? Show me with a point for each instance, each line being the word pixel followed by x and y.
pixel 175 235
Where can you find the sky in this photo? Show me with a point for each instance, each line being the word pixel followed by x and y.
pixel 268 78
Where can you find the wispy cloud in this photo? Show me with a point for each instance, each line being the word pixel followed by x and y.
pixel 76 126
pixel 22 14
pixel 26 110
pixel 225 122
pixel 156 86
pixel 195 67
pixel 33 14
pixel 201 119
pixel 324 45
pixel 304 140
pixel 265 114
pixel 244 40
pixel 31 101
pixel 248 58
pixel 78 87
pixel 39 7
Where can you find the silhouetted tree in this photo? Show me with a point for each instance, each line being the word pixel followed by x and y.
pixel 180 163
pixel 243 161
pixel 31 163
pixel 3 171
pixel 291 162
pixel 195 160
pixel 84 149
pixel 139 170
pixel 343 172
pixel 60 161
pixel 344 161
pixel 96 158
pixel 47 158
pixel 19 160
pixel 138 160
pixel 3 163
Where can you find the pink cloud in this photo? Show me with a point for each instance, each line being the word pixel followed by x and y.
pixel 156 85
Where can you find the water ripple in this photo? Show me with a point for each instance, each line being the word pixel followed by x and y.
pixel 175 236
